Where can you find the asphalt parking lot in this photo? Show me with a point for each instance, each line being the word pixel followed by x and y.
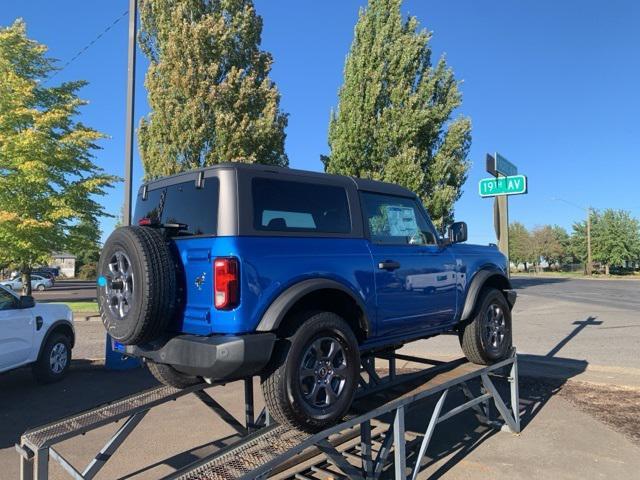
pixel 587 327
pixel 580 397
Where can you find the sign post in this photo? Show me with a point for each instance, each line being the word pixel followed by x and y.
pixel 505 182
pixel 501 221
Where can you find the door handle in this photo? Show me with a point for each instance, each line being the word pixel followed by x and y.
pixel 388 265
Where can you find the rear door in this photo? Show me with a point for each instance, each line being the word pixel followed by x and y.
pixel 195 208
pixel 16 332
pixel 415 279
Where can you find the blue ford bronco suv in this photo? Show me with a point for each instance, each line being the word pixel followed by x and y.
pixel 237 270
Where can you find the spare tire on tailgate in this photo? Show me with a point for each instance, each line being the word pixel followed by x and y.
pixel 136 285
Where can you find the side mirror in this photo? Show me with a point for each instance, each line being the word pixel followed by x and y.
pixel 458 232
pixel 27 301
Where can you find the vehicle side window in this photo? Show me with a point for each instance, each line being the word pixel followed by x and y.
pixel 396 220
pixel 284 206
pixel 7 301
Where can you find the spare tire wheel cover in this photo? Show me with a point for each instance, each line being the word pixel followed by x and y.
pixel 131 277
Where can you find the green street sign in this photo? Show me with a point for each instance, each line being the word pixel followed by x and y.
pixel 505 167
pixel 491 187
pixel 499 165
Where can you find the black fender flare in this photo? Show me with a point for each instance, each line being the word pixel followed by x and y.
pixel 479 280
pixel 278 309
pixel 50 331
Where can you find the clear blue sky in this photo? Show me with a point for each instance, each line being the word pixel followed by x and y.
pixel 553 86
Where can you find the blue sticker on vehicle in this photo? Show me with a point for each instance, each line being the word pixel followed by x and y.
pixel 102 281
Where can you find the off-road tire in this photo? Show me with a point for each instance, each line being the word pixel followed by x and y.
pixel 280 385
pixel 473 342
pixel 42 369
pixel 154 300
pixel 168 375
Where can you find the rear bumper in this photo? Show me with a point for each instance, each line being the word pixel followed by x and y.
pixel 217 357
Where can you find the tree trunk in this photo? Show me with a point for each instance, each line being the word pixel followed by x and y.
pixel 26 280
pixel 606 269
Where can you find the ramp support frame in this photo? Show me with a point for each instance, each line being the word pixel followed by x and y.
pixel 359 461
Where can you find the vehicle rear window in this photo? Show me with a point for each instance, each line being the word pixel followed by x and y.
pixel 183 203
pixel 284 206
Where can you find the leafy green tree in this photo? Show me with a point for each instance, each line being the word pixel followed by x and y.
pixel 615 238
pixel 520 245
pixel 48 181
pixel 208 87
pixel 84 242
pixel 578 238
pixel 564 239
pixel 549 243
pixel 394 119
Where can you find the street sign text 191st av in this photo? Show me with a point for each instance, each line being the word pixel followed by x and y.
pixel 491 187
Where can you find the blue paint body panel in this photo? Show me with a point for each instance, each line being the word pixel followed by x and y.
pixel 425 296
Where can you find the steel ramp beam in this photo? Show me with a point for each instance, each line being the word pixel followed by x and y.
pixel 36 446
pixel 259 453
pixel 112 445
pixel 83 422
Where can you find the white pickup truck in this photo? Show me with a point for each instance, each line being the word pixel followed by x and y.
pixel 40 335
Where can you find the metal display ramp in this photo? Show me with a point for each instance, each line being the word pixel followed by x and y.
pixel 370 441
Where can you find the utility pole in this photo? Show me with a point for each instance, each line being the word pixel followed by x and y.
pixel 114 360
pixel 589 260
pixel 129 128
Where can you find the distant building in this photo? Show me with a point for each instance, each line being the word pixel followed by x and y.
pixel 66 262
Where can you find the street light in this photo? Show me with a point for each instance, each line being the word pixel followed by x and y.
pixel 588 210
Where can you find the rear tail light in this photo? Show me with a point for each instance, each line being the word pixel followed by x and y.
pixel 226 283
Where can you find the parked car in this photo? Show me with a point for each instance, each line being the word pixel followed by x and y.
pixel 239 269
pixel 41 335
pixel 55 271
pixel 45 274
pixel 37 283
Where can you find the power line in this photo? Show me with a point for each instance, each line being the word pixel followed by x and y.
pixel 89 45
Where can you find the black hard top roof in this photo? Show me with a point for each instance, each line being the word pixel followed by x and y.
pixel 364 184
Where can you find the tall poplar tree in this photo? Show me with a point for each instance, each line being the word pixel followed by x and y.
pixel 394 118
pixel 48 180
pixel 208 86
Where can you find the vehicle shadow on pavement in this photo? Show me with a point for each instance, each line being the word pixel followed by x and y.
pixel 25 404
pixel 541 377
